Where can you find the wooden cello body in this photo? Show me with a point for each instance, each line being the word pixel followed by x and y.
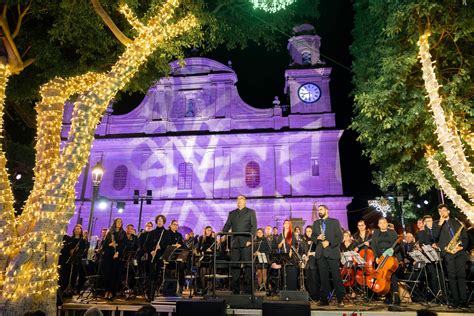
pixel 368 269
pixel 379 280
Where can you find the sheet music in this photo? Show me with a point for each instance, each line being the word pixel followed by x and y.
pixel 430 252
pixel 418 256
pixel 92 244
pixel 357 258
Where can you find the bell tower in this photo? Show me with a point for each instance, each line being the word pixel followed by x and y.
pixel 307 81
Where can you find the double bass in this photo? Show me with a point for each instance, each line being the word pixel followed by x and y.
pixel 379 280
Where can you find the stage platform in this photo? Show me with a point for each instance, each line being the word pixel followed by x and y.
pixel 167 306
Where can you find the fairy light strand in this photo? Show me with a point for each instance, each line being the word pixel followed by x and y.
pixel 54 206
pixel 448 139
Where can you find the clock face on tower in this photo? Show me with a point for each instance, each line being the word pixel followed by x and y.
pixel 309 92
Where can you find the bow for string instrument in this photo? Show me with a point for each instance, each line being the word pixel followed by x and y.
pixel 379 281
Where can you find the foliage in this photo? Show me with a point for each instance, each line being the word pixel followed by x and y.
pixel 69 38
pixel 390 109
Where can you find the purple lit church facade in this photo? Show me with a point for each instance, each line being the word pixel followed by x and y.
pixel 197 145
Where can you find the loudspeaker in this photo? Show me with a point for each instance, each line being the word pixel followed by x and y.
pixel 205 307
pixel 294 296
pixel 170 287
pixel 278 308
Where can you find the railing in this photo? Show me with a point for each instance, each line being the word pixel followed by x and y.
pixel 231 263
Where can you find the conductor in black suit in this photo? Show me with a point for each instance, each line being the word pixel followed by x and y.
pixel 327 235
pixel 241 220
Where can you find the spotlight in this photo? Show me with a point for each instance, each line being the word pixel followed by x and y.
pixel 102 205
pixel 425 202
pixel 418 205
pixel 120 206
pixel 18 176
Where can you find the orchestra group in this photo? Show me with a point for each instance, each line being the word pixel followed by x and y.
pixel 327 261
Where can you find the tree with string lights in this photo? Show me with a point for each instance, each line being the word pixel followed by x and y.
pixel 416 124
pixel 92 72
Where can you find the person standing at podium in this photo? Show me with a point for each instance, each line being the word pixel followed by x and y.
pixel 241 220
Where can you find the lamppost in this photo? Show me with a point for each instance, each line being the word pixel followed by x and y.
pixel 97 174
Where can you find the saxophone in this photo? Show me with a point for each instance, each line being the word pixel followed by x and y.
pixel 451 247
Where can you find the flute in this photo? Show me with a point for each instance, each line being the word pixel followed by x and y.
pixel 157 245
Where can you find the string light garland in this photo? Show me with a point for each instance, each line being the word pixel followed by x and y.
pixel 7 217
pixel 33 271
pixel 448 139
pixel 448 189
pixel 271 6
pixel 381 205
pixel 131 18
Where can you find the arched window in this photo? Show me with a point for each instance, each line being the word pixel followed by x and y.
pixel 120 177
pixel 252 174
pixel 185 176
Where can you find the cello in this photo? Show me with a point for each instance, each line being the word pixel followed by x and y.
pixel 379 280
pixel 368 269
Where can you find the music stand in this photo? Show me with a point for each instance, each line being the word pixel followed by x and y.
pixel 175 254
pixel 435 258
pixel 420 261
pixel 128 257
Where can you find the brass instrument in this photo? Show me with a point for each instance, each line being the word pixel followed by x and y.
pixel 451 247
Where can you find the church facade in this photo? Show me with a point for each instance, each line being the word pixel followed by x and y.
pixel 194 145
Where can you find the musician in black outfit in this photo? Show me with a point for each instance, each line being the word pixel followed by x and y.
pixel 429 236
pixel 175 239
pixel 327 235
pixel 286 240
pixel 155 246
pixel 205 250
pixel 362 236
pixel 382 241
pixel 261 247
pixel 347 244
pixel 307 248
pixel 241 220
pixel 456 262
pixel 112 266
pixel 70 262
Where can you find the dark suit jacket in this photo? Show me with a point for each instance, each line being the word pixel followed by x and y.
pixel 445 236
pixel 333 235
pixel 425 238
pixel 240 221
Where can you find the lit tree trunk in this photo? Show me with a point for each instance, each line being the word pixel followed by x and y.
pixel 31 276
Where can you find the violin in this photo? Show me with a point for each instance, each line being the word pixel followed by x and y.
pixel 379 281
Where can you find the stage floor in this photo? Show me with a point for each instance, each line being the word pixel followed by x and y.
pixel 167 306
